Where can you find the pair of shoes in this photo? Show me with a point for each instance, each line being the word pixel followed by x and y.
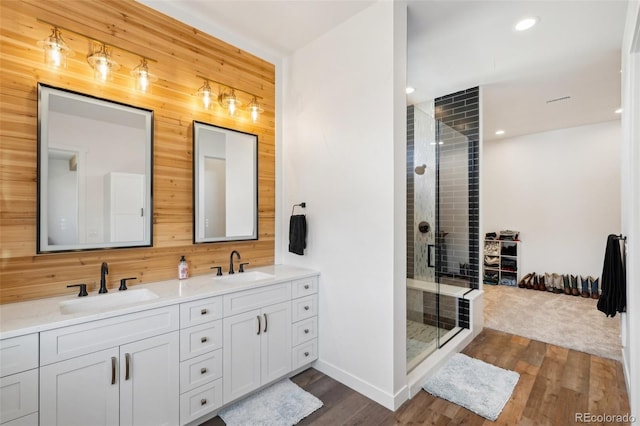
pixel 548 278
pixel 585 287
pixel 574 286
pixel 541 283
pixel 523 281
pixel 557 283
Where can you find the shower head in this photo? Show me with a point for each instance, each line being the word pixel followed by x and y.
pixel 420 169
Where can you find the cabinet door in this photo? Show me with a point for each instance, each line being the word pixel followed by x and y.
pixel 149 384
pixel 241 354
pixel 80 391
pixel 276 341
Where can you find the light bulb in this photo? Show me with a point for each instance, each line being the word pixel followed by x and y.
pixel 232 106
pixel 206 99
pixel 254 114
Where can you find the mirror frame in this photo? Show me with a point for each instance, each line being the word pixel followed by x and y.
pixel 42 231
pixel 197 127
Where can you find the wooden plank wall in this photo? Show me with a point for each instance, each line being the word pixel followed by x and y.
pixel 182 53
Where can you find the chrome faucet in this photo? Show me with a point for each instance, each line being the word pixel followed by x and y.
pixel 104 271
pixel 231 271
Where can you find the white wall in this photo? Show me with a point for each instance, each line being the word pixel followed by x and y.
pixel 630 160
pixel 344 144
pixel 561 190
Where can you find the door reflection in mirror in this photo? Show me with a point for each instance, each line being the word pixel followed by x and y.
pixel 225 184
pixel 94 172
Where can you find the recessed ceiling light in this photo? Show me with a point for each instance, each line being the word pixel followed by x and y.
pixel 526 23
pixel 619 111
pixel 499 132
pixel 410 90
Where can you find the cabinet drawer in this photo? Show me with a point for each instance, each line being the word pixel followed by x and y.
pixel 29 420
pixel 200 370
pixel 68 342
pixel 18 354
pixel 304 330
pixel 248 300
pixel 305 353
pixel 18 395
pixel 200 311
pixel 304 287
pixel 200 339
pixel 200 401
pixel 305 307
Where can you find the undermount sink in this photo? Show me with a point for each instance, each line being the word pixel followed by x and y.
pixel 106 301
pixel 245 277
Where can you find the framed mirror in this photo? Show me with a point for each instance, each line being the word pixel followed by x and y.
pixel 95 167
pixel 225 184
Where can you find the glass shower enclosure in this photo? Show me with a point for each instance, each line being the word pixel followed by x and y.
pixel 439 270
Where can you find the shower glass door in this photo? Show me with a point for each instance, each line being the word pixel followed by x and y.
pixel 438 272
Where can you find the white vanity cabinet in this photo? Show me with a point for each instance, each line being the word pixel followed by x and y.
pixel 19 381
pixel 257 338
pixel 116 371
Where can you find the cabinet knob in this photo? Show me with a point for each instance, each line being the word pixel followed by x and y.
pixel 203 371
pixel 203 339
pixel 306 308
pixel 306 354
pixel 306 331
pixel 203 401
pixel 306 286
pixel 204 312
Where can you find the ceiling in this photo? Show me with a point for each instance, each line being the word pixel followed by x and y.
pixel 573 51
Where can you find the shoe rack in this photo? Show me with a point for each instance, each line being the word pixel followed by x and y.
pixel 501 263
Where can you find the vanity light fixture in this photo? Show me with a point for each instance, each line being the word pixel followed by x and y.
pixel 500 132
pixel 142 75
pixel 56 50
pixel 101 62
pixel 229 101
pixel 206 94
pixel 254 109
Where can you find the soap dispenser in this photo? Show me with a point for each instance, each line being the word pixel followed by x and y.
pixel 183 269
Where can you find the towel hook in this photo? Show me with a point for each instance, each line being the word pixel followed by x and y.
pixel 303 205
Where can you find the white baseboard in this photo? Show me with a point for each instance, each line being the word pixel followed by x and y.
pixel 392 402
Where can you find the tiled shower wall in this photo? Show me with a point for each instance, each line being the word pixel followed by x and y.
pixel 458 195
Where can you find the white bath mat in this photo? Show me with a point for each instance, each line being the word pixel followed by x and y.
pixel 281 404
pixel 473 384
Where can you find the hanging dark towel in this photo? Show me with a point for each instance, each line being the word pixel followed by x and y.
pixel 297 234
pixel 613 281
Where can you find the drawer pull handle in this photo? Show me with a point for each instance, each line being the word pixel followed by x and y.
pixel 306 354
pixel 113 370
pixel 306 308
pixel 203 371
pixel 306 286
pixel 265 323
pixel 203 339
pixel 204 312
pixel 203 401
pixel 306 331
pixel 127 358
pixel 259 324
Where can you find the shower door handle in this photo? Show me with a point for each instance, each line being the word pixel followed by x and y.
pixel 431 248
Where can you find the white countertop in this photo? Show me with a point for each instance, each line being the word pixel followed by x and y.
pixel 33 316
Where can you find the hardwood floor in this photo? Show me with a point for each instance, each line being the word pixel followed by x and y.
pixel 555 384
